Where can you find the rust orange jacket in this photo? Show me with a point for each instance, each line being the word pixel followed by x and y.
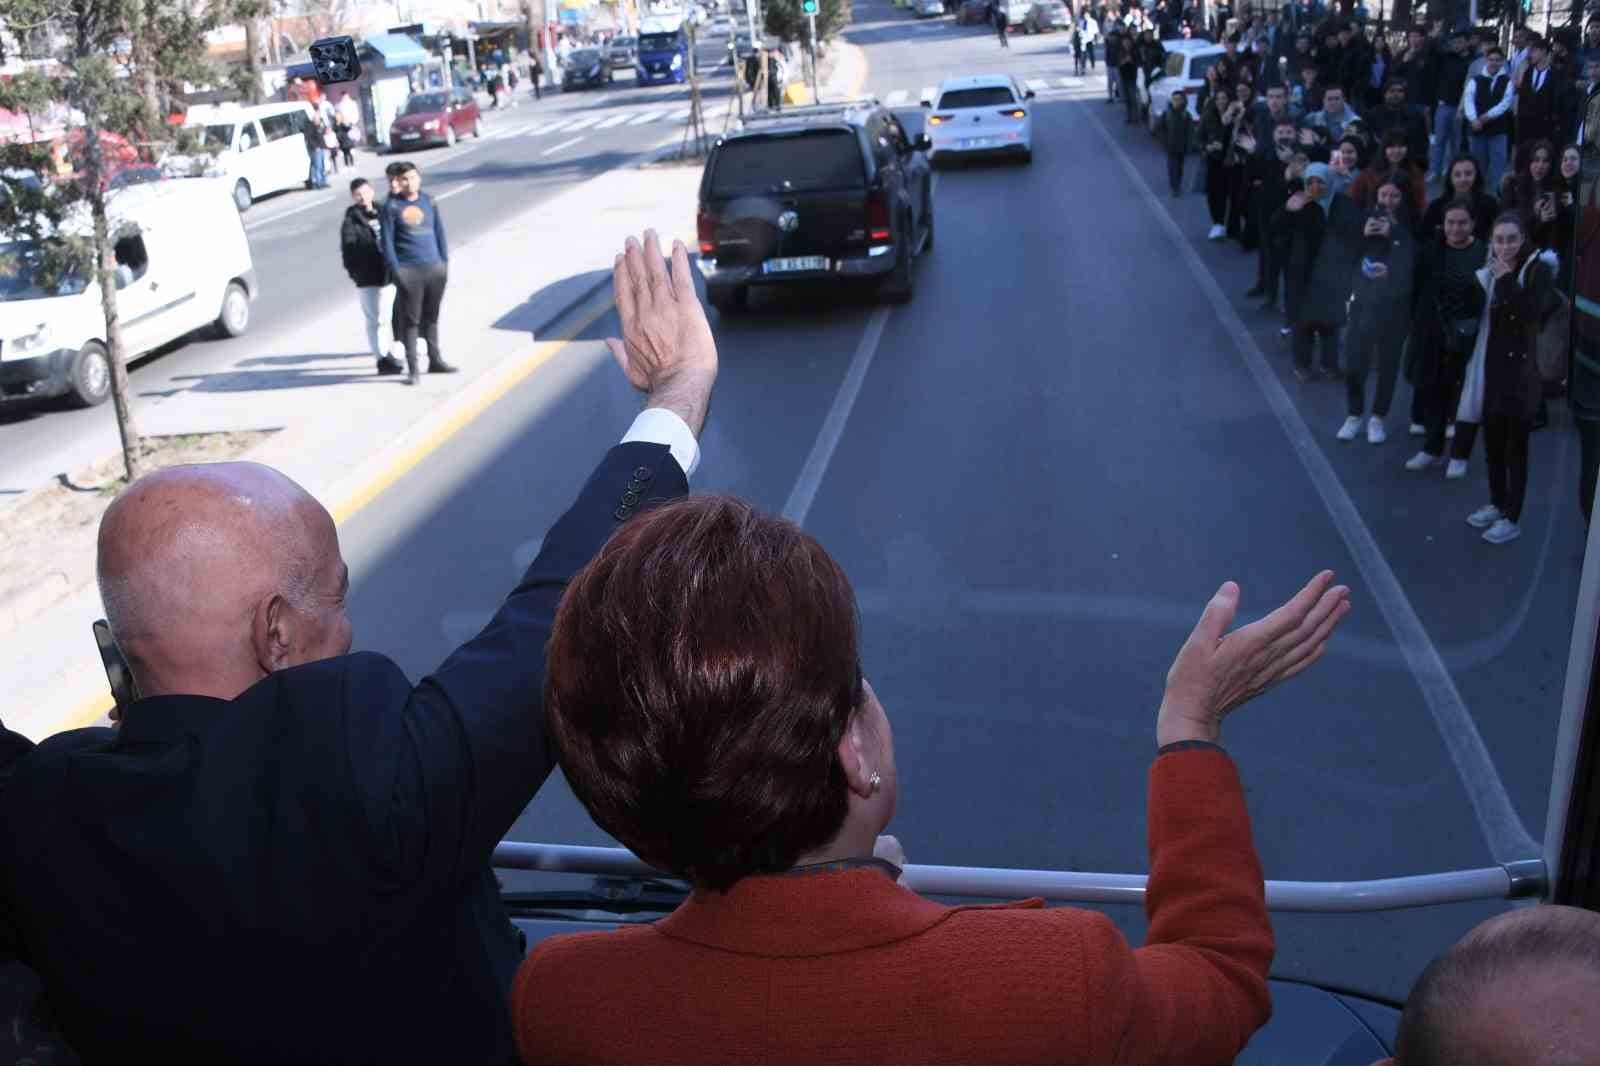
pixel 849 967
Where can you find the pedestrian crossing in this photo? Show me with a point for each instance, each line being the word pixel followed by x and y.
pixel 591 121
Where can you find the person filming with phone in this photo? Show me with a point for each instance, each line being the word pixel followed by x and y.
pixel 1380 308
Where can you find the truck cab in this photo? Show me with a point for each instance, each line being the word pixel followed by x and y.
pixel 663 54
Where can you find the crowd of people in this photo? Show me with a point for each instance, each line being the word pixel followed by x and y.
pixel 398 258
pixel 281 853
pixel 1409 212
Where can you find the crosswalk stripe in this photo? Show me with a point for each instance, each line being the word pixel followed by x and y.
pixel 929 92
pixel 1038 83
pixel 896 98
pixel 644 117
pixel 1070 83
pixel 557 125
pixel 554 148
pixel 680 114
pixel 515 131
pixel 583 122
pixel 614 120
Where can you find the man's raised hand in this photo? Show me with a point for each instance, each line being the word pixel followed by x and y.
pixel 666 349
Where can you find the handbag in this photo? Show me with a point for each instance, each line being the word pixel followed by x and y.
pixel 1460 334
pixel 1554 338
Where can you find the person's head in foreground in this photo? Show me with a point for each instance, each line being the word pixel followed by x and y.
pixel 706 700
pixel 1521 989
pixel 215 575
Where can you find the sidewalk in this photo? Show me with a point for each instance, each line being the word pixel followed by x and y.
pixel 345 436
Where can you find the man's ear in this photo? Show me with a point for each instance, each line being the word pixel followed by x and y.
pixel 272 633
pixel 851 751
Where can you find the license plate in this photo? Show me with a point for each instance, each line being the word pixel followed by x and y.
pixel 410 136
pixel 803 262
pixel 980 142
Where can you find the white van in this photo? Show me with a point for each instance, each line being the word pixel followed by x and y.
pixel 182 262
pixel 261 149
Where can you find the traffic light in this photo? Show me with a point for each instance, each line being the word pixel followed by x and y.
pixel 809 7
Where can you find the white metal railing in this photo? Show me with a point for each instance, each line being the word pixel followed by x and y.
pixel 1516 880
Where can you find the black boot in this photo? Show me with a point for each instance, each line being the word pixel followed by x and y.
pixel 437 365
pixel 389 365
pixel 412 377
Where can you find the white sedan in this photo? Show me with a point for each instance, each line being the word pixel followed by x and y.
pixel 983 114
pixel 1187 63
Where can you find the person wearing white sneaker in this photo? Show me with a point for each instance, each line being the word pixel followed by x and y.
pixel 1502 390
pixel 1449 312
pixel 1350 429
pixel 1380 305
pixel 1456 470
pixel 1216 134
pixel 1422 461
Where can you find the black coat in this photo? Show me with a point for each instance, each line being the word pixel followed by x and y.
pixel 1518 310
pixel 1323 250
pixel 300 874
pixel 360 247
pixel 1428 362
pixel 1386 304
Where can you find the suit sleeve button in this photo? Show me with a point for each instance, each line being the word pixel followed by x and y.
pixel 642 473
pixel 629 499
pixel 621 513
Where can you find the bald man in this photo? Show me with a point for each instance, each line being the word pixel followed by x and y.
pixel 1519 990
pixel 282 853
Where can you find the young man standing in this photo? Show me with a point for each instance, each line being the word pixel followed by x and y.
pixel 361 247
pixel 1176 129
pixel 1487 107
pixel 418 257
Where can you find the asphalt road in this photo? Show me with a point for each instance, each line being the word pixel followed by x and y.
pixel 528 153
pixel 1043 468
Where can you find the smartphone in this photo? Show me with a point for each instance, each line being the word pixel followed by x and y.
pixel 123 689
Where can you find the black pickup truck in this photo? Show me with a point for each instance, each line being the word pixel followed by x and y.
pixel 834 193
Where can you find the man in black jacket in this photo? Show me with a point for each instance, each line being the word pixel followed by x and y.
pixel 361 247
pixel 282 854
pixel 1449 82
pixel 1398 114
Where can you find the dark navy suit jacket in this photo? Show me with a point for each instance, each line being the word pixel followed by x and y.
pixel 300 874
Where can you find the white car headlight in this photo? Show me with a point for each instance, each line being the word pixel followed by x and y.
pixel 431 124
pixel 677 61
pixel 32 343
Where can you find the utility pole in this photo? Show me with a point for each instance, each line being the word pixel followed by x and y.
pixel 810 8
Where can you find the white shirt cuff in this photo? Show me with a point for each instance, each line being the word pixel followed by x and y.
pixel 657 425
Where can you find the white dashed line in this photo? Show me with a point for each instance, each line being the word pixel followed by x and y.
pixel 554 148
pixel 452 192
pixel 583 122
pixel 614 120
pixel 644 117
pixel 318 202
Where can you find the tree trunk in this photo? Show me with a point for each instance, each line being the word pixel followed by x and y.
pixel 252 59
pixel 106 265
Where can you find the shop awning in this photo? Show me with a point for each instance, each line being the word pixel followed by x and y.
pixel 397 50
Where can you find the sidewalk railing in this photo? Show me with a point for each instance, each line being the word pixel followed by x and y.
pixel 1523 879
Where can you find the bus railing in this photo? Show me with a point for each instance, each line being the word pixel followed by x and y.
pixel 1522 879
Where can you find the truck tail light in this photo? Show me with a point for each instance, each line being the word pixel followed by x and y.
pixel 877 215
pixel 706 232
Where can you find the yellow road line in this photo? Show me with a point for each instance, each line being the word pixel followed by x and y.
pixel 98 707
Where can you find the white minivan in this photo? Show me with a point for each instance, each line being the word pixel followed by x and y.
pixel 183 262
pixel 260 149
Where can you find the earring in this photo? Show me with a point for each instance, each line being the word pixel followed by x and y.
pixel 875 780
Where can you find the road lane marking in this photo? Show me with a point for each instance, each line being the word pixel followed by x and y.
pixel 452 192
pixel 1038 83
pixel 679 115
pixel 804 492
pixel 647 116
pixel 518 131
pixel 1071 83
pixel 318 202
pixel 896 98
pixel 1508 839
pixel 614 120
pixel 554 148
pixel 583 122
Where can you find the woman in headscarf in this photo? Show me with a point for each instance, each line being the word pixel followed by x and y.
pixel 1379 308
pixel 1322 233
pixel 1502 389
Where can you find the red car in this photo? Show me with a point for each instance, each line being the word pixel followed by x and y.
pixel 437 117
pixel 972 13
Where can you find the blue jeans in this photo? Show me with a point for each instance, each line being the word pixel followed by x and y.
pixel 319 170
pixel 1490 152
pixel 1445 140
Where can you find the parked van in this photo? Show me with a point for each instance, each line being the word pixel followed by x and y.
pixel 261 149
pixel 182 262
